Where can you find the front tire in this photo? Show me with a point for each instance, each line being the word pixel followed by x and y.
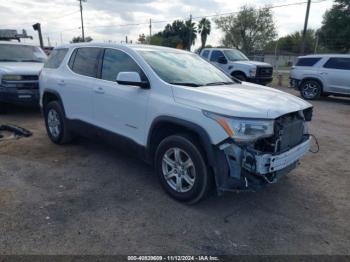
pixel 240 76
pixel 181 169
pixel 310 89
pixel 56 123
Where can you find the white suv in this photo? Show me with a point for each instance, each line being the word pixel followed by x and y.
pixel 177 111
pixel 321 75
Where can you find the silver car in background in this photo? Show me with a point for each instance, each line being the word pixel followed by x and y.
pixel 321 75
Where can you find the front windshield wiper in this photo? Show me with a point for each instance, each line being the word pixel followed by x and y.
pixel 219 83
pixel 185 84
pixel 32 60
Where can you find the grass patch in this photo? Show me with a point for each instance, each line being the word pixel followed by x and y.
pixel 285 80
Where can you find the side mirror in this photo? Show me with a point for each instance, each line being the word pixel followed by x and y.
pixel 132 79
pixel 222 60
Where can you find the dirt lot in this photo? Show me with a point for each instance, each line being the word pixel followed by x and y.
pixel 89 198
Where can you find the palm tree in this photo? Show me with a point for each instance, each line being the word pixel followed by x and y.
pixel 190 34
pixel 204 28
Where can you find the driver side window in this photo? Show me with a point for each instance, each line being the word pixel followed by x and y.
pixel 115 61
pixel 215 55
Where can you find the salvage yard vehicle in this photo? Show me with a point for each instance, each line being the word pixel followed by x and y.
pixel 178 112
pixel 236 64
pixel 321 75
pixel 20 65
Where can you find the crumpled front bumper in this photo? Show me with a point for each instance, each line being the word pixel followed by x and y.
pixel 249 169
pixel 268 163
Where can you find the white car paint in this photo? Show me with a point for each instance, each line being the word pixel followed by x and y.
pixel 130 111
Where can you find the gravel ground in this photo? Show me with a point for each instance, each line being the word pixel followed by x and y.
pixel 89 198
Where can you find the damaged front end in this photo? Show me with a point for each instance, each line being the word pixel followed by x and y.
pixel 251 165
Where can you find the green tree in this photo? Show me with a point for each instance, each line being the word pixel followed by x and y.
pixel 292 42
pixel 179 34
pixel 204 28
pixel 190 34
pixel 79 39
pixel 335 31
pixel 251 29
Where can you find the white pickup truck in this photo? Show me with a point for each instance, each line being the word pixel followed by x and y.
pixel 234 63
pixel 20 65
pixel 176 111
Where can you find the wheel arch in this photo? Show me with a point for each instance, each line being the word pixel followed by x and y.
pixel 50 95
pixel 239 71
pixel 311 78
pixel 164 126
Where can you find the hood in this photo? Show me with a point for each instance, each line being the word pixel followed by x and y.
pixel 240 100
pixel 252 63
pixel 20 68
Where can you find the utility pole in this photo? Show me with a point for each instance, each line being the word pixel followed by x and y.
pixel 305 26
pixel 150 30
pixel 316 44
pixel 190 37
pixel 126 39
pixel 81 17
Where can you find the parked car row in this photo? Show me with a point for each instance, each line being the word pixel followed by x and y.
pixel 196 125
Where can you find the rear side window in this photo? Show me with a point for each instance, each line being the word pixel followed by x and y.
pixel 338 63
pixel 56 57
pixel 205 54
pixel 215 55
pixel 85 61
pixel 115 61
pixel 310 61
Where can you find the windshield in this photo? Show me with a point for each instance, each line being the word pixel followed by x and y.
pixel 21 53
pixel 180 68
pixel 235 55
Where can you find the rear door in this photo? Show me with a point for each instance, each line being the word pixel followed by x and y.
pixel 120 109
pixel 336 72
pixel 79 84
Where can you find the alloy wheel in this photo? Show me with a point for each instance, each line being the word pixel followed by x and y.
pixel 178 170
pixel 54 123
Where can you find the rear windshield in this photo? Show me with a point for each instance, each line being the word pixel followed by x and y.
pixel 21 53
pixel 310 61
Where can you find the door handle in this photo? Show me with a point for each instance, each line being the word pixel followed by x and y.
pixel 61 82
pixel 99 90
pixel 324 73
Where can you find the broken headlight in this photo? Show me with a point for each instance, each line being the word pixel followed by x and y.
pixel 243 129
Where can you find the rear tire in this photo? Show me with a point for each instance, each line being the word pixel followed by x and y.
pixel 56 123
pixel 181 169
pixel 310 89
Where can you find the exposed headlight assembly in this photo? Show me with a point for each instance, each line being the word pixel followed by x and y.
pixel 243 129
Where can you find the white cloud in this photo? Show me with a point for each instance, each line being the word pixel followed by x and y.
pixel 104 18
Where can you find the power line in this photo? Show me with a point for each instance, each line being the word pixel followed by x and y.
pixel 165 21
pixel 206 16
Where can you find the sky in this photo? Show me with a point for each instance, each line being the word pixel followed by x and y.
pixel 112 20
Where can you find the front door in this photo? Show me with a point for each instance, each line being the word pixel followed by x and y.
pixel 120 109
